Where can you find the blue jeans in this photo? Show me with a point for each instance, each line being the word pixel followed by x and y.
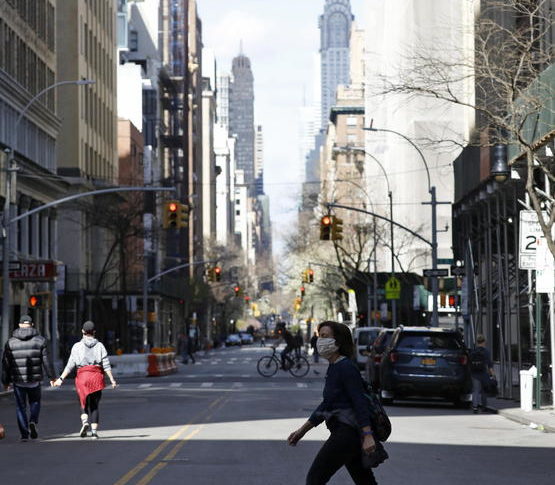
pixel 22 395
pixel 479 397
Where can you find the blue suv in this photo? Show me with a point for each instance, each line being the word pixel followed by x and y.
pixel 426 362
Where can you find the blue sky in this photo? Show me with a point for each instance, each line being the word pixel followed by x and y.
pixel 281 38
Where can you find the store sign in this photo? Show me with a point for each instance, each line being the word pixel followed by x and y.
pixel 530 234
pixel 33 270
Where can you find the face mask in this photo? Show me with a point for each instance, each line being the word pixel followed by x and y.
pixel 326 347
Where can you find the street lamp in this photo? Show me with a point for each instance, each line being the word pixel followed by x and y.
pixel 390 195
pixel 11 169
pixel 499 167
pixel 433 203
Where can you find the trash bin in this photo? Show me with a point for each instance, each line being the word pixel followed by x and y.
pixel 527 388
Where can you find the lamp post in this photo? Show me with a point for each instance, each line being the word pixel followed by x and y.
pixel 391 225
pixel 433 203
pixel 11 169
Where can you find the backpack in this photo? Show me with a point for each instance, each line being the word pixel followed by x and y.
pixel 380 423
pixel 478 360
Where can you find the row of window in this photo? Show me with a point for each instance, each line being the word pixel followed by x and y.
pixel 98 115
pixel 96 165
pixel 105 15
pixel 21 62
pixel 98 59
pixel 41 18
pixel 35 236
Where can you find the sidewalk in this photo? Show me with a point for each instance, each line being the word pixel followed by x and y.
pixel 542 419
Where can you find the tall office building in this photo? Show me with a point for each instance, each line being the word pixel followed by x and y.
pixel 259 161
pixel 241 117
pixel 335 33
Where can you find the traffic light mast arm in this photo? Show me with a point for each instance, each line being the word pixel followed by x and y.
pixel 356 209
pixel 86 194
pixel 175 268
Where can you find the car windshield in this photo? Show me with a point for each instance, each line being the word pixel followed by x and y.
pixel 365 338
pixel 428 341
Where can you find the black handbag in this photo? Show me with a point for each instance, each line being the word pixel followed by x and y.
pixel 381 425
pixel 490 387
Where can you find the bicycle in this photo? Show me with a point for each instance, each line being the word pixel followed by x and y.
pixel 268 365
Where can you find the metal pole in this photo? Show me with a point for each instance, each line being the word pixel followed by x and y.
pixel 435 289
pixel 552 333
pixel 393 302
pixel 538 350
pixel 375 278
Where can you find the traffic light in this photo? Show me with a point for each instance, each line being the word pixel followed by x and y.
pixel 305 276
pixel 302 292
pixel 237 290
pixel 337 229
pixel 325 228
pixel 247 300
pixel 39 300
pixel 217 272
pixel 183 215
pixel 453 303
pixel 210 276
pixel 170 216
pixel 310 273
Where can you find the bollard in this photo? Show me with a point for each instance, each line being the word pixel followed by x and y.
pixel 527 388
pixel 153 369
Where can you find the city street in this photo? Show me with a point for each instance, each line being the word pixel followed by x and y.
pixel 218 421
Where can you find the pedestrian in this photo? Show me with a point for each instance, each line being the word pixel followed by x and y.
pixel 313 341
pixel 345 411
pixel 182 347
pixel 191 349
pixel 25 357
pixel 481 367
pixel 90 358
pixel 299 342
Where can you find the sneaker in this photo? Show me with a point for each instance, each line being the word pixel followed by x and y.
pixel 84 430
pixel 23 440
pixel 475 410
pixel 33 431
pixel 94 435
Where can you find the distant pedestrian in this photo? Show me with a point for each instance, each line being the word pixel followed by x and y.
pixel 346 413
pixel 25 357
pixel 191 349
pixel 182 347
pixel 313 342
pixel 299 342
pixel 481 367
pixel 90 358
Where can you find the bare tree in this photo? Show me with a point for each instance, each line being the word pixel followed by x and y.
pixel 511 72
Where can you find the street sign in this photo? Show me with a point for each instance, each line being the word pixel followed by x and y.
pixel 33 271
pixel 435 272
pixel 392 289
pixel 444 260
pixel 530 234
pixel 458 271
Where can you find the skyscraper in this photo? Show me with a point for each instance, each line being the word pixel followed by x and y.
pixel 241 117
pixel 335 33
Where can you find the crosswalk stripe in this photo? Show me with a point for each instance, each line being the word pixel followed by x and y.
pixel 237 384
pixel 207 384
pixel 176 384
pixel 301 384
pixel 144 386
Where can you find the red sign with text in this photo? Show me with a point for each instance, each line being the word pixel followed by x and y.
pixel 32 271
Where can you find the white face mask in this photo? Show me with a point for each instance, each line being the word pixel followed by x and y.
pixel 326 347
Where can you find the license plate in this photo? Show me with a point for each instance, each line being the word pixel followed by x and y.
pixel 428 361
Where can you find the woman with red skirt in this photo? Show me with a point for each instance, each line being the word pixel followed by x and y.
pixel 90 358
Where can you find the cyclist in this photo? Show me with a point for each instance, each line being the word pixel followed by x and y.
pixel 286 336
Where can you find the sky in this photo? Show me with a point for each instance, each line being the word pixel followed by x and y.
pixel 281 38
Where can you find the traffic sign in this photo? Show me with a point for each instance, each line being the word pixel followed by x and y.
pixel 392 289
pixel 530 234
pixel 444 260
pixel 430 273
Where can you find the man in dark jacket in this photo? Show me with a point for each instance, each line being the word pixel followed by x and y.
pixel 25 355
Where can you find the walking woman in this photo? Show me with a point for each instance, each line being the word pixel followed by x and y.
pixel 345 410
pixel 90 358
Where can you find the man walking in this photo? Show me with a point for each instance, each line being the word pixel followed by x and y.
pixel 25 356
pixel 481 367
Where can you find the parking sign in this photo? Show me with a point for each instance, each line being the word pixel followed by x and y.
pixel 530 235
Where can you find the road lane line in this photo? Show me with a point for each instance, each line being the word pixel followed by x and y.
pixel 176 384
pixel 150 458
pixel 207 384
pixel 144 386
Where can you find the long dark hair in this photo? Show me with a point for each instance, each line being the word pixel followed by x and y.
pixel 342 335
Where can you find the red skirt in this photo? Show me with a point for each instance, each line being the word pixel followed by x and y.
pixel 90 378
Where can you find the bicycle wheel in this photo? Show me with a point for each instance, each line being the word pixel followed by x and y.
pixel 267 366
pixel 300 367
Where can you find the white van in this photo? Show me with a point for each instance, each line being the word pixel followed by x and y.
pixel 364 336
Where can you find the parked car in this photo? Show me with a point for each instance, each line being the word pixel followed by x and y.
pixel 363 337
pixel 232 339
pixel 375 354
pixel 246 338
pixel 426 362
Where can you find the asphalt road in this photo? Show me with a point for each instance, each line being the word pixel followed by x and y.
pixel 219 422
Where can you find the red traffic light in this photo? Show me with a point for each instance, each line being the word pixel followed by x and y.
pixel 172 207
pixel 302 289
pixel 452 301
pixel 326 220
pixel 34 301
pixel 217 270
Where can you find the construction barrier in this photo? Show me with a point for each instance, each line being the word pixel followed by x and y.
pixel 153 365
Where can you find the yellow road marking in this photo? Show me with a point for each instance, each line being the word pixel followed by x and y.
pixel 152 456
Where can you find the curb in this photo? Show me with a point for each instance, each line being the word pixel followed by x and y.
pixel 520 419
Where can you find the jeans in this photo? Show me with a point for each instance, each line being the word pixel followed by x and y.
pixel 343 448
pixel 22 395
pixel 478 395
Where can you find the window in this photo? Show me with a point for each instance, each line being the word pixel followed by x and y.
pixel 237 212
pixel 133 41
pixel 352 121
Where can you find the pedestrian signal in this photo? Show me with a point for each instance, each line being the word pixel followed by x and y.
pixel 325 228
pixel 39 300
